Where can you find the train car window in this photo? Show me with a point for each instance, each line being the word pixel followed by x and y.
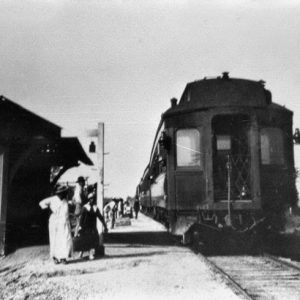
pixel 188 148
pixel 223 142
pixel 271 143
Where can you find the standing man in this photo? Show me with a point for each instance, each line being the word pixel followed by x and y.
pixel 120 210
pixel 136 207
pixel 112 213
pixel 79 200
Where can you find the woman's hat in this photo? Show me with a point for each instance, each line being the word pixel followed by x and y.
pixel 61 189
pixel 91 195
pixel 80 179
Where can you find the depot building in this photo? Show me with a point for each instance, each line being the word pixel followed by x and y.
pixel 33 156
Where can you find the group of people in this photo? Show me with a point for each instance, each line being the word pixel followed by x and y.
pixel 117 208
pixel 112 210
pixel 86 212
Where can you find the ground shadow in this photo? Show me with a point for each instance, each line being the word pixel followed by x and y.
pixel 142 238
pixel 27 236
pixel 105 257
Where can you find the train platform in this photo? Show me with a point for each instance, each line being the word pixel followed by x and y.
pixel 142 261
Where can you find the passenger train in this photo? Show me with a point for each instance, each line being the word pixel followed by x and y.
pixel 222 160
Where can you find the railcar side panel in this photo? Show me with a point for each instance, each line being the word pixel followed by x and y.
pixel 158 193
pixel 189 190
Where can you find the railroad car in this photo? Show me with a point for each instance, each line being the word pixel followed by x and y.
pixel 222 159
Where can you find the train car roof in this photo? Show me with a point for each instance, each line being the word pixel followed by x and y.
pixel 217 92
pixel 221 92
pixel 280 107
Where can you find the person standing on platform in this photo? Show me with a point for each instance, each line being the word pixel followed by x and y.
pixel 113 213
pixel 79 200
pixel 60 237
pixel 110 210
pixel 88 226
pixel 120 211
pixel 136 207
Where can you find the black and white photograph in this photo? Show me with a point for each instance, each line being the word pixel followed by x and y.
pixel 149 150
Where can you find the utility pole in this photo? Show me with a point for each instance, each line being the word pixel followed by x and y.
pixel 98 133
pixel 100 183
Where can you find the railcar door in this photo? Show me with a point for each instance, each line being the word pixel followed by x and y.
pixel 231 157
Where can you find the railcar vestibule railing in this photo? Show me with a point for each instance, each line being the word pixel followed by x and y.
pixel 231 157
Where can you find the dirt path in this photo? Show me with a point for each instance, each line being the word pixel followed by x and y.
pixel 141 262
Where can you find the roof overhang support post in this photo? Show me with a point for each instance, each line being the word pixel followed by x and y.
pixel 3 197
pixel 100 183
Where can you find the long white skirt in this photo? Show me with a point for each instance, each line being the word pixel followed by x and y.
pixel 60 237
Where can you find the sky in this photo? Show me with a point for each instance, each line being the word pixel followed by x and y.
pixel 77 63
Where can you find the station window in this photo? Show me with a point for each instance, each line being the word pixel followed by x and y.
pixel 188 148
pixel 271 143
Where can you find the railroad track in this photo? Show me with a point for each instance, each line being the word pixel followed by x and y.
pixel 259 277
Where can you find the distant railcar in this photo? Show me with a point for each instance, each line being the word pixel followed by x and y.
pixel 222 158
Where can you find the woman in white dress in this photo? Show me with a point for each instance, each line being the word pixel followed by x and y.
pixel 60 237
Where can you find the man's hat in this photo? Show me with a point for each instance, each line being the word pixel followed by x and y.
pixel 61 189
pixel 80 179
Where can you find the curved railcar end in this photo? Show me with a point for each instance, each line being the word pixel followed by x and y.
pixel 222 159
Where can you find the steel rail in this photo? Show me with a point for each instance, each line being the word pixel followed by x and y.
pixel 237 289
pixel 278 260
